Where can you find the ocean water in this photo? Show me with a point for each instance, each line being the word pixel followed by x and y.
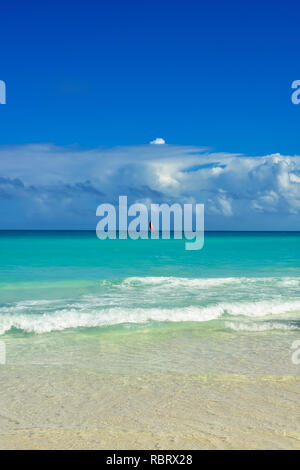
pixel 141 344
pixel 54 281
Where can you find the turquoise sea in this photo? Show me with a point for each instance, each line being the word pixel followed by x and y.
pixel 54 281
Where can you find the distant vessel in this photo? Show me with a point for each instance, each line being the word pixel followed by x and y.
pixel 151 226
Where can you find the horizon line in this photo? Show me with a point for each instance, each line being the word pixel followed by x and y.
pixel 159 231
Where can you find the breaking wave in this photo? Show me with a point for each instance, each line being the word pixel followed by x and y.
pixel 159 299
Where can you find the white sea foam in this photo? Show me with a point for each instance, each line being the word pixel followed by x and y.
pixel 204 283
pixel 263 326
pixel 289 282
pixel 261 308
pixel 88 316
pixel 64 319
pixel 174 299
pixel 174 282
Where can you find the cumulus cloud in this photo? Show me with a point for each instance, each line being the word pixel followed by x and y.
pixel 45 186
pixel 158 141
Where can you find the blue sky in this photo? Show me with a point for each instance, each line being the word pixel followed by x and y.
pixel 214 74
pixel 94 74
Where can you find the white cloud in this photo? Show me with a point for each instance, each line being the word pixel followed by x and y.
pixel 294 178
pixel 158 141
pixel 57 187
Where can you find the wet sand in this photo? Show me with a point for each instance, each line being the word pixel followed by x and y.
pixel 139 390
